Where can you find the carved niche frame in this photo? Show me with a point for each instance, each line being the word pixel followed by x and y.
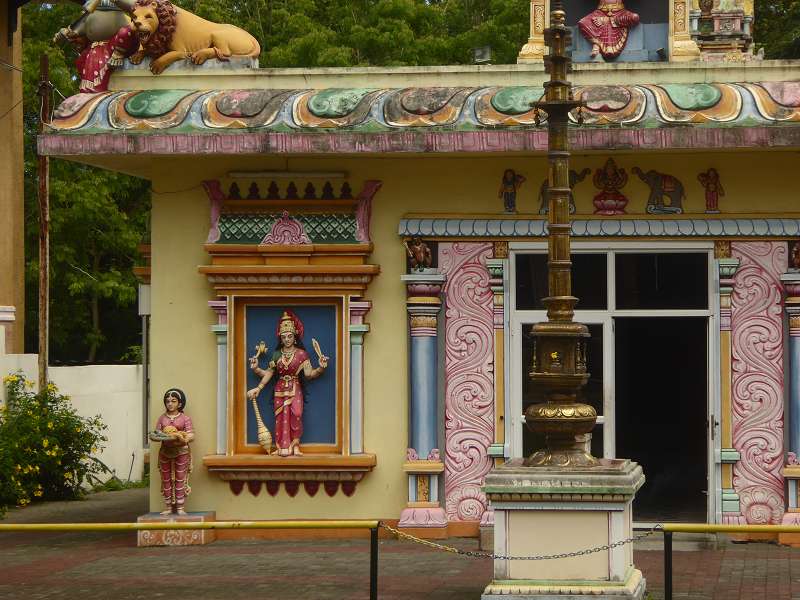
pixel 286 251
pixel 681 45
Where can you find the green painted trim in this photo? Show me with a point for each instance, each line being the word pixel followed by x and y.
pixel 730 501
pixel 729 456
pixel 357 333
pixel 496 451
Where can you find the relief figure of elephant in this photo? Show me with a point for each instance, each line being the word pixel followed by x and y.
pixel 574 178
pixel 662 186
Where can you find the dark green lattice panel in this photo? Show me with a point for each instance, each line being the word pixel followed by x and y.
pixel 333 228
pixel 244 229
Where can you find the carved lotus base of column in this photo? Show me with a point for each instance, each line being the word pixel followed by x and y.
pixel 533 51
pixel 685 51
pixel 423 517
pixel 175 537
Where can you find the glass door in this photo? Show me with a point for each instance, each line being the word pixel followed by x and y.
pixel 652 317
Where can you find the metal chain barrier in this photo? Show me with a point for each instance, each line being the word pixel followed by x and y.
pixel 474 554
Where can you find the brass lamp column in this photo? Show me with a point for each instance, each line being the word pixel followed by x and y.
pixel 559 356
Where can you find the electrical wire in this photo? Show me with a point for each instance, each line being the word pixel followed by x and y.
pixel 10 66
pixel 12 108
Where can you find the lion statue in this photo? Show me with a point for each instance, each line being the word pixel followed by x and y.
pixel 168 33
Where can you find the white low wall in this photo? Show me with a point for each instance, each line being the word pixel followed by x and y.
pixel 112 391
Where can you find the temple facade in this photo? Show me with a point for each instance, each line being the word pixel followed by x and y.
pixel 396 218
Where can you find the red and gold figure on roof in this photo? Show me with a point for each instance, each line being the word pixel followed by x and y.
pixel 607 28
pixel 289 365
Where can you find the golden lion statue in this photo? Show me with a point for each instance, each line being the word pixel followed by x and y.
pixel 168 33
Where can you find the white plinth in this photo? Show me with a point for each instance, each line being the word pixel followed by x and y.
pixel 544 511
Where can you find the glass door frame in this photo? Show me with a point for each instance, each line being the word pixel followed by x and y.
pixel 515 427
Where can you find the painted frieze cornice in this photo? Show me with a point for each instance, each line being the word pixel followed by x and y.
pixel 521 227
pixel 421 119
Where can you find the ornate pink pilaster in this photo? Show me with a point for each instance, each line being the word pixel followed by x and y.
pixel 217 197
pixel 364 209
pixel 287 230
pixel 469 365
pixel 220 308
pixel 359 310
pixel 757 379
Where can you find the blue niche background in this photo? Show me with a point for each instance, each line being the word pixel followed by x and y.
pixel 319 412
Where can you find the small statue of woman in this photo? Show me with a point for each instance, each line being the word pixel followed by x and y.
pixel 174 431
pixel 509 187
pixel 290 365
pixel 713 188
pixel 606 28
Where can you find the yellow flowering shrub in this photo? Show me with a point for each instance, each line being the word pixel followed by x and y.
pixel 45 446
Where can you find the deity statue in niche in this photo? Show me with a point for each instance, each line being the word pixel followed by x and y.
pixel 174 431
pixel 713 186
pixel 609 180
pixel 290 365
pixel 419 255
pixel 607 28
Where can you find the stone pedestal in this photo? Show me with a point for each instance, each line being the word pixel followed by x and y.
pixel 543 511
pixel 176 537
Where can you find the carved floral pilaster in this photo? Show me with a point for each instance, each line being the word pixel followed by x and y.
pixel 469 366
pixel 757 381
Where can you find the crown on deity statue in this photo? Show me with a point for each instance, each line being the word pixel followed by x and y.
pixel 290 323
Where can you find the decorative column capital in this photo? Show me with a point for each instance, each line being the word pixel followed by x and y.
pixel 359 310
pixel 423 288
pixel 727 269
pixel 496 268
pixel 791 284
pixel 220 307
pixel 423 302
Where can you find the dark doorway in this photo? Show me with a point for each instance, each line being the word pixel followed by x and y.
pixel 661 412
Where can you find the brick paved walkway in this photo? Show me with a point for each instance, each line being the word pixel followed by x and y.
pixel 109 566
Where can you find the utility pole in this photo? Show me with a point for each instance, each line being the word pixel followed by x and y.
pixel 44 226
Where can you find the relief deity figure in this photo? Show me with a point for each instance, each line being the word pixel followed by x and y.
pixel 290 365
pixel 610 180
pixel 103 37
pixel 174 431
pixel 607 28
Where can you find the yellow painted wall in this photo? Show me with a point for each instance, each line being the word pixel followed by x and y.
pixel 12 251
pixel 184 349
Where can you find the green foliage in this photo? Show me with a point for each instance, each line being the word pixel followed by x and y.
pixel 115 484
pixel 98 218
pixel 344 33
pixel 777 28
pixel 45 446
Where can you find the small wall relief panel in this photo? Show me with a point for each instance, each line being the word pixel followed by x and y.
pixel 757 379
pixel 469 366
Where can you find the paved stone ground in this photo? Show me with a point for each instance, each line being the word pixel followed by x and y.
pixel 109 566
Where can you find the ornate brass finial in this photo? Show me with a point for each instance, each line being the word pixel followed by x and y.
pixel 558 369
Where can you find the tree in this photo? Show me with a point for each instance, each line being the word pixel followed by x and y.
pixel 97 220
pixel 777 28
